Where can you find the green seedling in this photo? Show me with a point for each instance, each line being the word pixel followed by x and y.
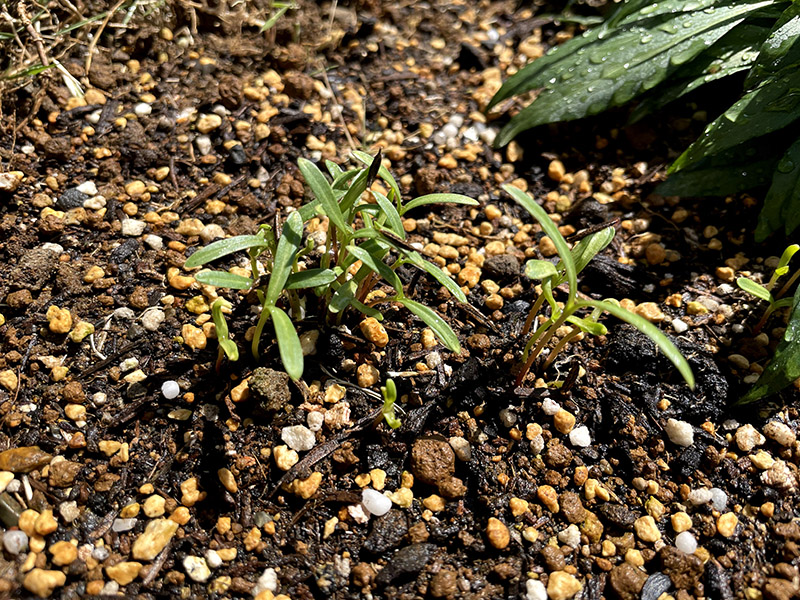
pixel 764 292
pixel 227 347
pixel 389 392
pixel 360 236
pixel 572 262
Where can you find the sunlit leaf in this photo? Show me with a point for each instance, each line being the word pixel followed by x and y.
pixel 309 278
pixel 435 322
pixel 224 279
pixel 438 199
pixel 288 245
pixel 288 342
pixel 754 289
pixel 323 191
pixel 222 248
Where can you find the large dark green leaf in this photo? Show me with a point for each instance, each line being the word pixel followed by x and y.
pixel 718 180
pixel 770 107
pixel 782 204
pixel 619 64
pixel 780 49
pixel 784 368
pixel 734 52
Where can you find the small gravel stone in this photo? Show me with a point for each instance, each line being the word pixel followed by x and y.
pixel 267 582
pixel 121 525
pixel 780 432
pixel 580 437
pixel 700 496
pixel 462 448
pixel 646 529
pixel 550 407
pixel 15 541
pixel 376 503
pixel 152 319
pixel 315 420
pixel 197 568
pixel 497 533
pixel 298 437
pixel 719 499
pixel 133 227
pixel 156 536
pixel 170 389
pixel 679 326
pixel 213 559
pixel 685 542
pixel 142 109
pixel 679 432
pixel 203 143
pixel 747 438
pixel 562 586
pixel 88 187
pixel 535 590
pixel 726 524
pixel 156 242
pixel 571 536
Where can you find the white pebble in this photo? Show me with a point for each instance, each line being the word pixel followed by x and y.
pixel 461 448
pixel 685 542
pixel 700 496
pixel 120 525
pixel 376 503
pixel 535 590
pixel 203 143
pixel 433 359
pixel 748 437
pixel 780 432
pixel 213 559
pixel 196 568
pixel 719 499
pixel 88 187
pixel 580 437
pixel 15 541
pixel 537 444
pixel 315 420
pixel 111 588
pixel 142 109
pixel 128 364
pixel 99 398
pixel 298 437
pixel 94 117
pixel 456 121
pixel 156 242
pixel 571 536
pixel 152 319
pixel 679 325
pixel 211 232
pixel 133 227
pixel 488 135
pixel 450 131
pixel 679 432
pixel 95 203
pixel 170 389
pixel 550 407
pixel 438 138
pixel 100 553
pixel 356 512
pixel 471 134
pixel 267 582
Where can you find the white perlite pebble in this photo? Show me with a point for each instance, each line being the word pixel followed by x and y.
pixel 211 232
pixel 748 437
pixel 537 445
pixel 315 420
pixel 580 437
pixel 679 432
pixel 120 525
pixel 700 496
pixel 571 536
pixel 461 448
pixel 203 143
pixel 213 559
pixel 298 437
pixel 128 364
pixel 170 389
pixel 267 582
pixel 719 499
pixel 550 407
pixel 15 541
pixel 535 590
pixel 685 542
pixel 88 187
pixel 156 242
pixel 142 109
pixel 133 227
pixel 152 319
pixel 375 503
pixel 196 568
pixel 780 432
pixel 679 326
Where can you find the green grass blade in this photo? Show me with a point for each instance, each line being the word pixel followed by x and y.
pixel 781 47
pixel 435 322
pixel 438 199
pixel 309 278
pixel 393 220
pixel 324 193
pixel 782 202
pixel 654 333
pixel 334 170
pixel 222 248
pixel 754 289
pixel 443 278
pixel 591 327
pixel 288 342
pixel 285 253
pixel 586 249
pixel 224 280
pixel 550 228
pixel 383 172
pixel 378 266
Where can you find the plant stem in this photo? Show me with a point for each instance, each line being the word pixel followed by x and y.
pixel 562 343
pixel 532 314
pixel 262 320
pixel 542 343
pixel 788 284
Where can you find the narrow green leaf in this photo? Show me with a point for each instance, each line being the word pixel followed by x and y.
pixel 435 322
pixel 378 266
pixel 782 202
pixel 288 245
pixel 343 297
pixel 383 173
pixel 718 180
pixel 230 349
pixel 341 180
pixel 367 310
pixel 393 220
pixel 550 228
pixel 787 255
pixel 590 327
pixel 654 333
pixel 619 64
pixel 782 47
pixel 309 278
pixel 334 170
pixel 224 279
pixel 438 199
pixel 324 193
pixel 539 269
pixel 228 346
pixel 443 278
pixel 784 368
pixel 222 248
pixel 586 249
pixel 754 289
pixel 288 342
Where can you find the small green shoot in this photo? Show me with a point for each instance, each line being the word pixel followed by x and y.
pixel 566 272
pixel 227 346
pixel 764 292
pixel 389 392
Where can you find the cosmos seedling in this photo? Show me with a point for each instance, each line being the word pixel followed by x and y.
pixel 764 292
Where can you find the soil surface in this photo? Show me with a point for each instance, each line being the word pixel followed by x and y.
pixel 132 463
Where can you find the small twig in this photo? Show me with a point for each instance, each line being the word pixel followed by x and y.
pixel 37 39
pixel 98 33
pixel 339 111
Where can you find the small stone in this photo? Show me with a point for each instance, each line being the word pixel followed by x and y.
pixel 284 457
pixel 739 361
pixel 207 123
pixel 152 319
pixel 133 227
pixel 719 499
pixel 8 379
pixel 23 460
pixel 197 568
pixel 699 497
pixel 747 438
pixel 535 590
pixel 45 523
pixel 627 581
pixel 15 541
pixel 298 437
pixel 190 494
pixel 681 522
pixel 367 375
pixel 680 433
pixel 564 421
pixel 646 529
pixel 562 586
pixel 374 332
pixel 124 572
pixel 686 542
pixel 497 533
pixel 547 247
pixel 556 170
pixel 154 506
pixel 726 524
pixel 63 553
pixel 780 432
pixel 194 337
pixel 228 480
pixel 156 536
pixel 571 536
pixel 81 331
pixel 375 502
pixel 696 308
pixel 305 488
pixel 59 319
pixel 42 582
pixel 679 326
pixel 461 447
pixel 650 311
pixel 580 437
pixel 762 460
pixel 518 506
pixel 547 495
